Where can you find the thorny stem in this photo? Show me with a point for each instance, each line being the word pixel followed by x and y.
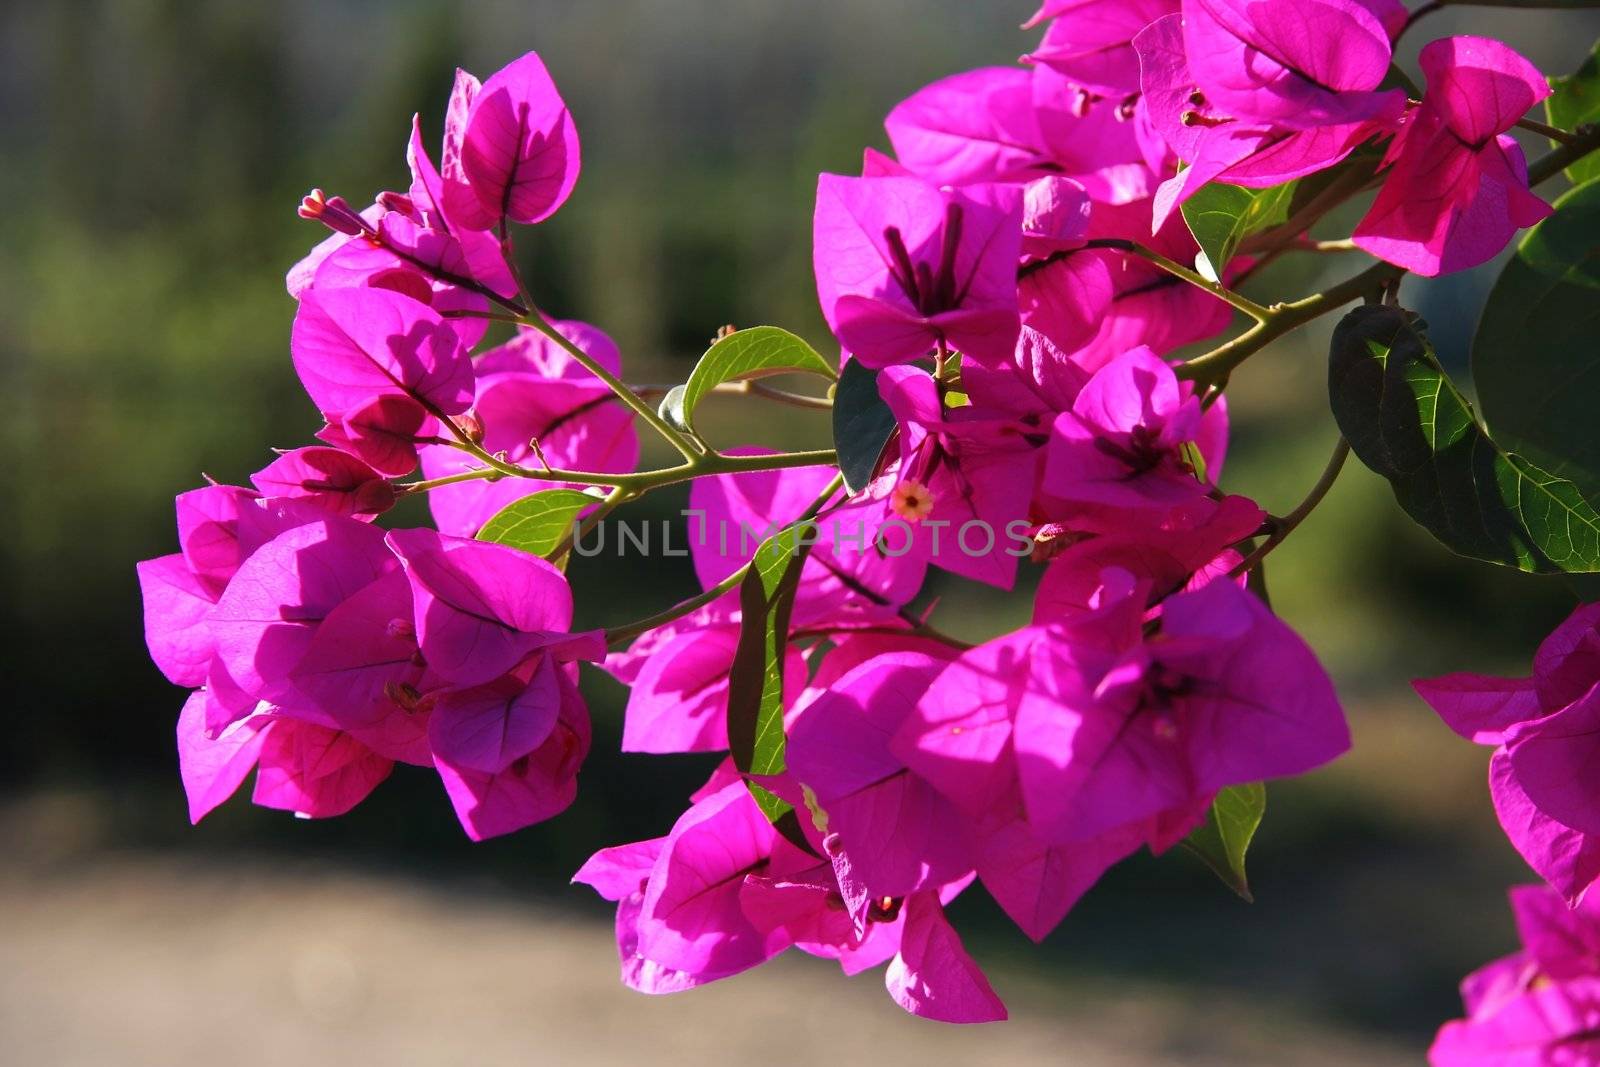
pixel 637 482
pixel 1281 319
pixel 1195 278
pixel 1283 527
pixel 672 434
pixel 1555 133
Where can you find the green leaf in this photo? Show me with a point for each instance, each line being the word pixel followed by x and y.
pixel 1222 840
pixel 1220 216
pixel 758 352
pixel 539 523
pixel 1406 420
pixel 1535 360
pixel 755 681
pixel 1573 101
pixel 862 423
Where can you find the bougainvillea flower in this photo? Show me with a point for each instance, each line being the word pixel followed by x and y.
pixel 1090 42
pixel 1458 190
pixel 311 770
pixel 1226 695
pixel 677 678
pixel 382 433
pixel 519 155
pixel 483 608
pixel 970 474
pixel 723 892
pixel 846 571
pixel 536 786
pixel 978 126
pixel 1544 730
pixel 536 405
pixel 1041 379
pixel 689 917
pixel 330 478
pixel 1124 444
pixel 1538 1005
pixel 1055 216
pixel 352 347
pixel 1184 101
pixel 903 266
pixel 678 673
pixel 1293 63
pixel 265 619
pixel 1192 545
pixel 889 831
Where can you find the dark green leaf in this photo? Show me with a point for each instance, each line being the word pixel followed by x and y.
pixel 1574 100
pixel 1536 360
pixel 537 523
pixel 1220 216
pixel 1405 419
pixel 1222 840
pixel 862 423
pixel 758 352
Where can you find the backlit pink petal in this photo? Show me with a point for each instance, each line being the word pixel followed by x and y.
pixel 265 621
pixel 1563 941
pixel 480 607
pixel 1037 883
pixel 1263 706
pixel 932 975
pixel 1480 86
pixel 351 345
pixel 1568 661
pixel 363 646
pixel 1554 760
pixel 519 152
pixel 902 264
pixel 1295 63
pixel 1554 1024
pixel 381 433
pixel 176 607
pixel 978 126
pixel 1478 707
pixel 691 919
pixel 1089 42
pixel 959 737
pixel 315 772
pixel 488 727
pixel 619 872
pixel 337 481
pixel 533 788
pixel 899 834
pixel 1566 858
pixel 213 768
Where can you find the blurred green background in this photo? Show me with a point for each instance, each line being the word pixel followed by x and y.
pixel 154 155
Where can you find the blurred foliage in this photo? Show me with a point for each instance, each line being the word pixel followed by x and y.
pixel 155 152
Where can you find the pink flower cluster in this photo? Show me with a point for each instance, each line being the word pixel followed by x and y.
pixel 1540 1005
pixel 322 650
pixel 1000 275
pixel 1546 735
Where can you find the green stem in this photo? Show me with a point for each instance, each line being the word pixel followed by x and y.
pixel 1282 528
pixel 1565 137
pixel 1585 139
pixel 673 436
pixel 638 481
pixel 1282 319
pixel 1195 278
